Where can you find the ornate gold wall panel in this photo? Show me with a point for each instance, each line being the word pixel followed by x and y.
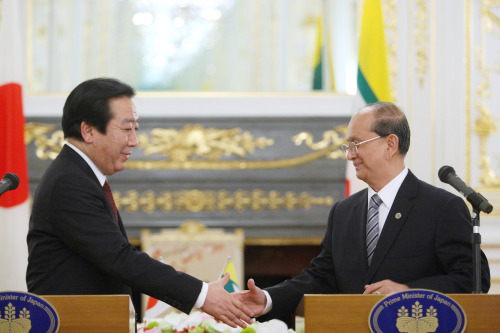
pixel 196 141
pixel 486 66
pixel 276 177
pixel 390 13
pixel 183 149
pixel 421 40
pixel 210 201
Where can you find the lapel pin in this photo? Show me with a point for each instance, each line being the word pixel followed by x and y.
pixel 398 215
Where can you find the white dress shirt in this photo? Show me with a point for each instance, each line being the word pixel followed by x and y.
pixel 387 194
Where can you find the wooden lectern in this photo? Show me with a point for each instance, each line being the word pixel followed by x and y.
pixel 94 313
pixel 349 313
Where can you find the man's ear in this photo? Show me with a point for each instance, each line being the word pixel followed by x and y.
pixel 87 132
pixel 392 145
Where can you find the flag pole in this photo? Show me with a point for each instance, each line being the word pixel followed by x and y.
pixel 221 275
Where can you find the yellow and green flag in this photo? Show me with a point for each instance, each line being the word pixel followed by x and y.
pixel 373 71
pixel 232 285
pixel 319 59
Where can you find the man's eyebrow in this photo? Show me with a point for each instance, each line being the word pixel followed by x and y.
pixel 129 120
pixel 352 138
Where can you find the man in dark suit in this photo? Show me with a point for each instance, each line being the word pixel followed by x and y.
pixel 76 240
pixel 415 235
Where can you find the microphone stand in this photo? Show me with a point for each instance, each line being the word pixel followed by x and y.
pixel 476 252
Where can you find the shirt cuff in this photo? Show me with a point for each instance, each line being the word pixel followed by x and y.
pixel 269 303
pixel 202 297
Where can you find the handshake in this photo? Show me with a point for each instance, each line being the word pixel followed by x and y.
pixel 235 309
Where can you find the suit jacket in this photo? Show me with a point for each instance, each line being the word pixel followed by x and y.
pixel 76 246
pixel 425 243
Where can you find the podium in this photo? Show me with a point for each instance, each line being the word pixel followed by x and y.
pixel 93 313
pixel 349 313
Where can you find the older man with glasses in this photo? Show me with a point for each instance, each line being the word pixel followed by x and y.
pixel 397 234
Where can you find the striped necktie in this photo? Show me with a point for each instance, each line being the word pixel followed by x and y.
pixel 107 190
pixel 372 230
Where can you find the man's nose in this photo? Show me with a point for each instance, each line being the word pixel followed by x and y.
pixel 132 139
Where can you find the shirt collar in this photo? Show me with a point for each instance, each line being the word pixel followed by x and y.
pixel 100 176
pixel 389 191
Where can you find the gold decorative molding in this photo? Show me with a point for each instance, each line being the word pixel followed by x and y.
pixel 47 147
pixel 195 201
pixel 332 138
pixel 492 18
pixel 283 241
pixel 198 141
pixel 232 164
pixel 192 227
pixel 485 125
pixel 197 148
pixel 421 40
pixel 468 84
pixel 389 8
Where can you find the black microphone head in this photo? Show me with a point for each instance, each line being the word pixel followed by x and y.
pixel 13 178
pixel 444 171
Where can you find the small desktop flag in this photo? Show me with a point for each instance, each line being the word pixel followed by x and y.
pixel 156 308
pixel 232 285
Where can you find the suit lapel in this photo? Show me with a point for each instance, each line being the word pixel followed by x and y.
pixel 117 219
pixel 122 227
pixel 74 157
pixel 67 152
pixel 395 220
pixel 358 231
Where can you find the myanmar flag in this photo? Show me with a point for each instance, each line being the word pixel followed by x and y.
pixel 373 71
pixel 320 61
pixel 232 285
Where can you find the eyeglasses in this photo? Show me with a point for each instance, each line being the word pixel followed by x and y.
pixel 353 147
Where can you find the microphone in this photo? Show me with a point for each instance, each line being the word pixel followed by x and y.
pixel 10 181
pixel 447 175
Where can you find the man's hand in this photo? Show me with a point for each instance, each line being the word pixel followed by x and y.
pixel 384 287
pixel 222 306
pixel 254 298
